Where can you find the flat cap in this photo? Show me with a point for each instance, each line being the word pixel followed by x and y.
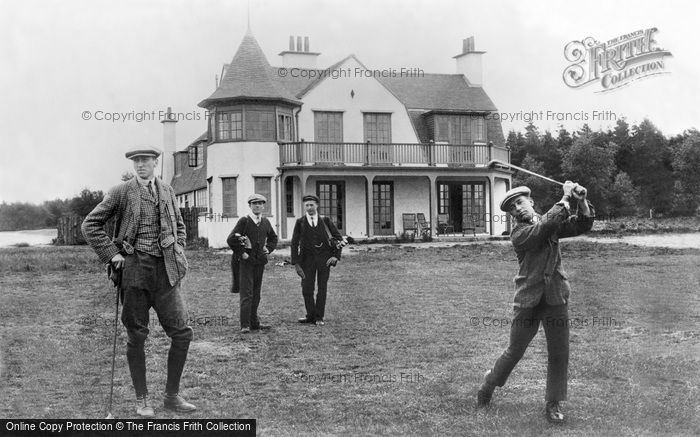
pixel 143 151
pixel 512 194
pixel 256 198
pixel 308 197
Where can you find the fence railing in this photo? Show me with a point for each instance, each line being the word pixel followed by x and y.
pixel 388 154
pixel 69 232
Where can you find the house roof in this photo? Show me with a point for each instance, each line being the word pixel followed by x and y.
pixel 190 178
pixel 446 92
pixel 429 92
pixel 249 76
pixel 305 79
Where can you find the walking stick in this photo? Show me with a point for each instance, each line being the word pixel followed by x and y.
pixel 115 275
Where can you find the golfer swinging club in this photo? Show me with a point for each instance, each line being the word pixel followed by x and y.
pixel 541 289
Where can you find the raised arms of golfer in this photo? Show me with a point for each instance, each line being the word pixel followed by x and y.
pixel 557 220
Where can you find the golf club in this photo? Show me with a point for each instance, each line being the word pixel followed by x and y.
pixel 515 167
pixel 116 278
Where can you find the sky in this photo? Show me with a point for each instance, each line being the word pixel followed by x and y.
pixel 63 62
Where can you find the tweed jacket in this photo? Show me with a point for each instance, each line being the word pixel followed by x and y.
pixel 124 203
pixel 302 246
pixel 536 244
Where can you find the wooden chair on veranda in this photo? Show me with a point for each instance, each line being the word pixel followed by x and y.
pixel 423 225
pixel 444 226
pixel 409 223
pixel 468 224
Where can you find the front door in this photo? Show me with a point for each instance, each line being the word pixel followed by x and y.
pixel 332 202
pixel 383 207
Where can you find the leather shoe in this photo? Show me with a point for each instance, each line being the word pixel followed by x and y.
pixel 143 409
pixel 554 413
pixel 320 322
pixel 483 396
pixel 245 330
pixel 260 328
pixel 177 403
pixel 306 320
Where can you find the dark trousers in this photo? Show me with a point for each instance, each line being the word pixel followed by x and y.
pixel 145 284
pixel 554 319
pixel 315 267
pixel 250 277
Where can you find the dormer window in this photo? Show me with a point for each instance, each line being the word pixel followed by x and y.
pixel 460 129
pixel 194 155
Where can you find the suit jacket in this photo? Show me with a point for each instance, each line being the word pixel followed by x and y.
pixel 260 236
pixel 124 203
pixel 302 246
pixel 537 246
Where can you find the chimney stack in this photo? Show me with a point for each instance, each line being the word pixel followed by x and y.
pixel 168 157
pixel 298 54
pixel 469 63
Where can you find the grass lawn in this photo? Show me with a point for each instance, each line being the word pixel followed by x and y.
pixel 409 334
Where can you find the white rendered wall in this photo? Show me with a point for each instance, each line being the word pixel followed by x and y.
pixel 243 160
pixel 369 96
pixel 411 195
pixel 500 218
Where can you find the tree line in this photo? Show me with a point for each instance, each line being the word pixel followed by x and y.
pixel 20 216
pixel 628 170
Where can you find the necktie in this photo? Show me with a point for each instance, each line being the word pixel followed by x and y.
pixel 150 188
pixel 313 222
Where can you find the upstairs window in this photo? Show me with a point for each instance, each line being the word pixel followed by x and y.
pixel 195 158
pixel 229 125
pixel 285 128
pixel 328 127
pixel 377 127
pixel 259 125
pixel 460 129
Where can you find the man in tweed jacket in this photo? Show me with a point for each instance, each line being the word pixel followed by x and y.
pixel 541 289
pixel 148 248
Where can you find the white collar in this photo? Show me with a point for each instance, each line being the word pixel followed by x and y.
pixel 144 182
pixel 316 217
pixel 255 218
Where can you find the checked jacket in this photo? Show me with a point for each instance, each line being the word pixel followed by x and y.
pixel 124 203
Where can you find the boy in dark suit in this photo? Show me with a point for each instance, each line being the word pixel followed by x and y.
pixel 252 240
pixel 316 246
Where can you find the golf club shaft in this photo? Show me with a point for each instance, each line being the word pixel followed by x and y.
pixel 505 164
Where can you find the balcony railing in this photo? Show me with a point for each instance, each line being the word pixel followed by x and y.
pixel 389 154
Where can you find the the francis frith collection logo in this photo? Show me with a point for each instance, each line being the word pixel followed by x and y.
pixel 616 62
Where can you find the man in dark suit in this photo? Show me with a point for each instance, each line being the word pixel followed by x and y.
pixel 252 240
pixel 316 246
pixel 541 289
pixel 149 249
